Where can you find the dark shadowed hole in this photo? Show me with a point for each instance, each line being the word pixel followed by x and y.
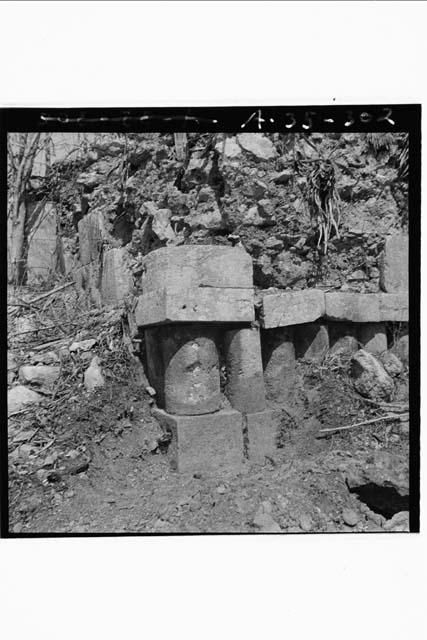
pixel 381 499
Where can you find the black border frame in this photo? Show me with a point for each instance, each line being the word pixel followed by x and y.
pixel 308 118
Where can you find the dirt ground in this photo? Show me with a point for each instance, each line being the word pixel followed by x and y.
pixel 105 469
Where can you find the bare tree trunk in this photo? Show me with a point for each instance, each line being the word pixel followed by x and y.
pixel 18 213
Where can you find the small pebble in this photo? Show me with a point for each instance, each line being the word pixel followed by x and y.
pixel 350 517
pixel 305 522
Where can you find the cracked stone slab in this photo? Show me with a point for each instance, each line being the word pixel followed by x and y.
pixel 292 307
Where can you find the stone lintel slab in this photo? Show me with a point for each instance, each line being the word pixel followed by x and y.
pixel 261 434
pixel 207 443
pixel 197 304
pixel 394 307
pixel 352 307
pixel 192 266
pixel 292 307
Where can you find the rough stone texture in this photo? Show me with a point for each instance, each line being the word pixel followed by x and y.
pixel 154 362
pixel 191 370
pixel 87 279
pixel 401 348
pixel 311 342
pixel 261 434
pixel 198 304
pixel 245 381
pixel 257 144
pixel 394 264
pixel 116 278
pixel 352 307
pixel 394 307
pixel 93 377
pixel 342 338
pixel 278 356
pixel 206 444
pixel 197 266
pixel 391 364
pixel 18 397
pixel 292 307
pixel 43 375
pixel 45 250
pixel 371 379
pixel 230 149
pixel 373 337
pixel 92 232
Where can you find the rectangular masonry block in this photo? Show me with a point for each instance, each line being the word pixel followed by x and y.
pixel 116 278
pixel 207 444
pixel 195 305
pixel 91 234
pixel 394 307
pixel 292 307
pixel 394 264
pixel 261 434
pixel 191 266
pixel 352 307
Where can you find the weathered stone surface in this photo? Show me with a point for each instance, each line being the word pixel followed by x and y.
pixel 87 279
pixel 45 249
pixel 278 356
pixel 394 264
pixel 82 345
pixel 401 348
pixel 230 149
pixel 342 338
pixel 116 278
pixel 92 232
pixel 245 381
pixel 373 337
pixel 394 307
pixel 93 377
pixel 352 307
pixel 197 266
pixel 292 307
pixel 161 225
pixel 207 444
pixel 311 342
pixel 154 362
pixel 197 304
pixel 18 397
pixel 191 370
pixel 261 433
pixel 12 364
pixel 257 144
pixel 43 375
pixel 391 364
pixel 370 378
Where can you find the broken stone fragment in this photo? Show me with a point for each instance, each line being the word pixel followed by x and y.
pixel 83 345
pixel 18 397
pixel 93 377
pixel 370 378
pixel 265 522
pixel 258 145
pixel 350 517
pixel 43 375
pixel 229 148
pixel 391 364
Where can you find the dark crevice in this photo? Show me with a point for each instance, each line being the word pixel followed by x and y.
pixel 385 500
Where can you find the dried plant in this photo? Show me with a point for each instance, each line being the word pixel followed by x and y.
pixel 324 201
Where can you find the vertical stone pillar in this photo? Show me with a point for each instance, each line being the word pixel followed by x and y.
pixel 278 355
pixel 245 381
pixel 311 341
pixel 342 338
pixel 191 369
pixel 373 337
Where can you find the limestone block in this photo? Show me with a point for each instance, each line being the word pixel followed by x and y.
pixel 342 338
pixel 394 307
pixel 209 443
pixel 292 307
pixel 202 304
pixel 370 378
pixel 191 370
pixel 352 307
pixel 245 381
pixel 394 264
pixel 190 266
pixel 311 342
pixel 373 337
pixel 261 433
pixel 278 355
pixel 18 397
pixel 91 234
pixel 116 278
pixel 45 249
pixel 44 375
